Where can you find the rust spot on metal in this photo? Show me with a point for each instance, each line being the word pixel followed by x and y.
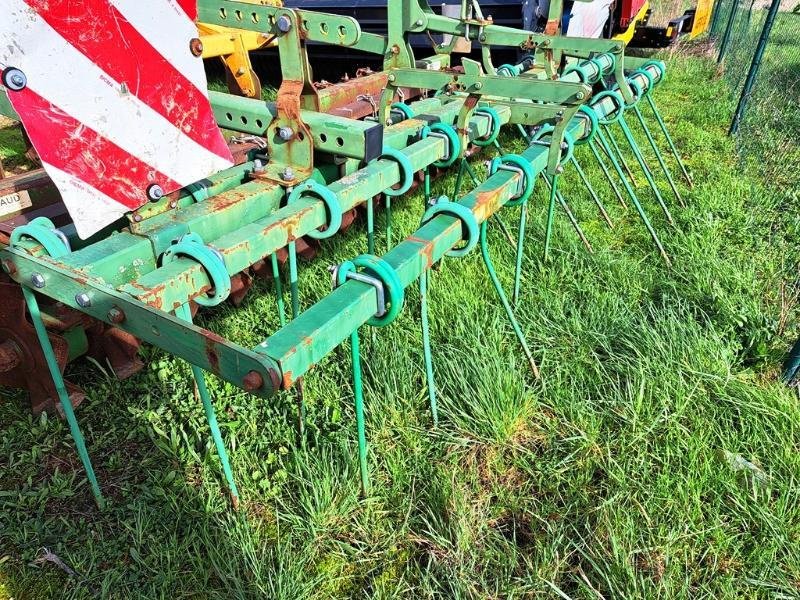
pixel 288 380
pixel 211 355
pixel 486 204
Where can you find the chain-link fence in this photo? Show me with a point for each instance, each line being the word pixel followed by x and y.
pixel 758 48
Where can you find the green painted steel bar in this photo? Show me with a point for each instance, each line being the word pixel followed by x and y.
pixel 185 313
pixel 595 198
pixel 659 157
pixel 755 66
pixel 642 215
pixel 645 169
pixel 668 137
pixel 426 346
pixel 487 259
pixel 61 390
pixel 198 346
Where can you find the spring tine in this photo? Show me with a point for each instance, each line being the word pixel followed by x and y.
pixel 293 288
pixel 647 173
pixel 592 193
pixel 358 394
pixel 551 209
pixel 523 217
pixel 459 179
pixel 63 395
pixel 501 294
pixel 370 225
pixel 607 173
pixel 426 346
pixel 426 186
pixel 668 137
pixel 184 312
pixel 659 157
pixel 619 154
pixel 276 278
pixel 604 143
pixel 388 212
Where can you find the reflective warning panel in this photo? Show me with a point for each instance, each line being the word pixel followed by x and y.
pixel 112 98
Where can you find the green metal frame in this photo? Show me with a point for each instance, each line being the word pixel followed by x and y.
pixel 241 216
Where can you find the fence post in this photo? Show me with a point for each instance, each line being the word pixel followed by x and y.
pixel 755 65
pixel 712 30
pixel 726 37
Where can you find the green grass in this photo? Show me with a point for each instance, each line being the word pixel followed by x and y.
pixel 656 458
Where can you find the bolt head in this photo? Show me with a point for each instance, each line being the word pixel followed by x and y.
pixel 137 218
pixel 287 174
pixel 391 77
pixel 14 79
pixel 419 22
pixel 83 300
pixel 37 280
pixel 285 133
pixel 116 316
pixel 196 46
pixel 155 192
pixel 284 24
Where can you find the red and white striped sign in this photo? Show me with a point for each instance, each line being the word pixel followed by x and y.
pixel 114 100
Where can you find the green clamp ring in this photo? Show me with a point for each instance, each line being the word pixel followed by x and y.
pixel 658 66
pixel 191 245
pixel 311 187
pixel 454 142
pixel 44 232
pixel 403 108
pixel 594 123
pixel 650 80
pixel 566 156
pixel 516 162
pixel 597 65
pixel 579 69
pixel 616 115
pixel 381 270
pixel 507 70
pixel 638 93
pixel 469 224
pixel 494 128
pixel 406 171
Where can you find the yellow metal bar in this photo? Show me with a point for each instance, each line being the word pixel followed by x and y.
pixel 702 17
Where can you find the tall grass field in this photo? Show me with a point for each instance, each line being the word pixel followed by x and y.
pixel 657 457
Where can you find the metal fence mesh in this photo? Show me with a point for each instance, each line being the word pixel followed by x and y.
pixel 770 124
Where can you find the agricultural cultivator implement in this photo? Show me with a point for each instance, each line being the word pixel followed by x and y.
pixel 165 217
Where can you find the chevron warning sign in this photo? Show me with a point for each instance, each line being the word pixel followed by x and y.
pixel 112 98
